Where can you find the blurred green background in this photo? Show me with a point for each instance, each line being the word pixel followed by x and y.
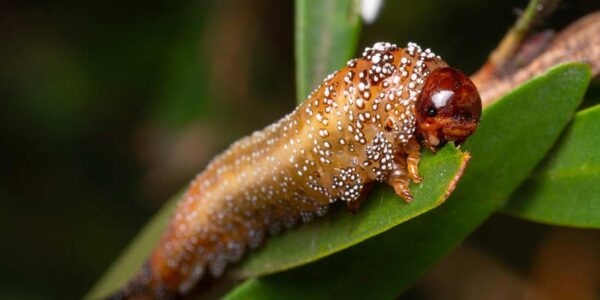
pixel 110 107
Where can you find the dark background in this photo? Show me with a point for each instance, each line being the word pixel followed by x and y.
pixel 107 108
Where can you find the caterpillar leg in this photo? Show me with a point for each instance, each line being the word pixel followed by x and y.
pixel 353 206
pixel 413 150
pixel 399 179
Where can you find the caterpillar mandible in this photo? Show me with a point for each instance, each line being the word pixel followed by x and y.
pixel 364 123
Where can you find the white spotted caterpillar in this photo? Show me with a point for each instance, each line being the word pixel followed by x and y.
pixel 362 124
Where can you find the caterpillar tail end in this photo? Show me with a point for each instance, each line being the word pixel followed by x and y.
pixel 143 287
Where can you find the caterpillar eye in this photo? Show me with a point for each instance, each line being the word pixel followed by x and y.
pixel 431 111
pixel 448 108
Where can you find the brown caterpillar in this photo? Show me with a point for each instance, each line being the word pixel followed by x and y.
pixel 362 124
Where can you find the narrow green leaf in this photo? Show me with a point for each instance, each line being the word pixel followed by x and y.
pixel 326 37
pixel 314 240
pixel 514 136
pixel 340 229
pixel 565 188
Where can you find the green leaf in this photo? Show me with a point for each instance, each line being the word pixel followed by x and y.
pixel 565 188
pixel 339 230
pixel 515 134
pixel 135 255
pixel 382 211
pixel 326 37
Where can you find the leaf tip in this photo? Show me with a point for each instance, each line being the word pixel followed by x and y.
pixel 464 161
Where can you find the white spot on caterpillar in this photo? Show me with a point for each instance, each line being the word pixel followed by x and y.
pixel 441 98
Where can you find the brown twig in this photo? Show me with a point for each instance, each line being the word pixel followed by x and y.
pixel 579 42
pixel 500 60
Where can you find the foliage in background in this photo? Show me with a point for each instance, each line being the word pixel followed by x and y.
pixel 326 34
pixel 564 189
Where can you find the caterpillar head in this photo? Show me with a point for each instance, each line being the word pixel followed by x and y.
pixel 448 109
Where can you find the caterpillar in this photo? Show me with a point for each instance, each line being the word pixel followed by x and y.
pixel 362 124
